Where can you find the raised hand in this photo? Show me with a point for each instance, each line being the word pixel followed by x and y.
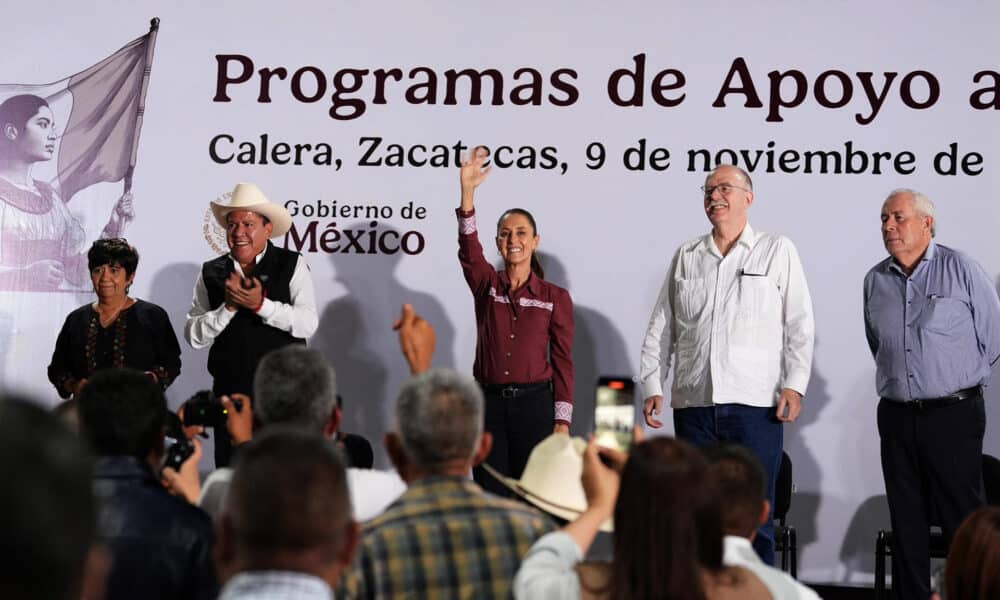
pixel 473 174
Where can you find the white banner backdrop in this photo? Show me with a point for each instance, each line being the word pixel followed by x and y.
pixel 608 116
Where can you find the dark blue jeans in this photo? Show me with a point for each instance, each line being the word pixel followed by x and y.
pixel 757 428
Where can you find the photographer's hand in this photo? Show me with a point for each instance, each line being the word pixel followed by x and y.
pixel 187 482
pixel 239 421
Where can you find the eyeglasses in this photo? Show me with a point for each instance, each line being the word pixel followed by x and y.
pixel 724 188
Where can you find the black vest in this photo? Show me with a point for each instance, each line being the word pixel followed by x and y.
pixel 239 347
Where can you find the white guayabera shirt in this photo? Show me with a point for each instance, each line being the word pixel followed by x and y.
pixel 738 327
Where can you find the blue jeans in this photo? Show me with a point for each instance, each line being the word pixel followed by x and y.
pixel 757 428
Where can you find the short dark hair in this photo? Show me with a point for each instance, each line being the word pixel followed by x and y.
pixel 122 412
pixel 113 251
pixel 47 507
pixel 743 483
pixel 288 493
pixel 295 385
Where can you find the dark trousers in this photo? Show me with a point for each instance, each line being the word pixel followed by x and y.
pixel 755 427
pixel 517 425
pixel 932 464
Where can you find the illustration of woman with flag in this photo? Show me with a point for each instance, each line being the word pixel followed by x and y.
pixel 41 243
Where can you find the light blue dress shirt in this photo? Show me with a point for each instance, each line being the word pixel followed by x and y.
pixel 934 332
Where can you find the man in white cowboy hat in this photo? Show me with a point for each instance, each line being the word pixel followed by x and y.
pixel 255 299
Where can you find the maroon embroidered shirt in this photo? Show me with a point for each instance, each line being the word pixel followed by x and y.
pixel 523 336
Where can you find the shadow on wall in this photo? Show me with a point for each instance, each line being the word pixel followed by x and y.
pixel 858 550
pixel 598 349
pixel 355 334
pixel 171 288
pixel 804 509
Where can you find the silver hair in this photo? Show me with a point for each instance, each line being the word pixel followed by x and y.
pixel 743 174
pixel 922 205
pixel 439 418
pixel 295 385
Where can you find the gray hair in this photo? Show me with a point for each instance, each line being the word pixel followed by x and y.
pixel 439 418
pixel 743 174
pixel 295 385
pixel 922 205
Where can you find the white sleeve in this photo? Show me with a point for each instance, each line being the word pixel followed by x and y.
pixel 800 329
pixel 203 324
pixel 298 317
pixel 657 347
pixel 372 491
pixel 548 571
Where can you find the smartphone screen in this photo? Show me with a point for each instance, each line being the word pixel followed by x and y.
pixel 614 412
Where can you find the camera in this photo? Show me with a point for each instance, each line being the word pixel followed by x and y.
pixel 205 408
pixel 179 447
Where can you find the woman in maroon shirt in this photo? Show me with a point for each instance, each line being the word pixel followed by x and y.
pixel 524 330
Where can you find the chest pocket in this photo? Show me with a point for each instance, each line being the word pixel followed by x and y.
pixel 758 295
pixel 692 297
pixel 944 315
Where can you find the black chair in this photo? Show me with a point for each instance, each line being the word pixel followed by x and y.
pixel 784 534
pixel 938 548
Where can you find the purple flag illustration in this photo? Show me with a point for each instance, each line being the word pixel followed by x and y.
pixel 90 123
pixel 102 134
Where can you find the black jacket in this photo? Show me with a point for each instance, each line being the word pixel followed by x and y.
pixel 161 545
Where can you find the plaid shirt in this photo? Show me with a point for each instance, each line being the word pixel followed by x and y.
pixel 444 538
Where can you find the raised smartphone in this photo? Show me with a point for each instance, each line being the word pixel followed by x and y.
pixel 614 412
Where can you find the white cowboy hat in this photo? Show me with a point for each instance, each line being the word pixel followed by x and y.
pixel 247 196
pixel 551 479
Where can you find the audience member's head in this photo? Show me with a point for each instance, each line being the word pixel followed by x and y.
pixel 743 483
pixel 123 412
pixel 288 508
pixel 973 568
pixel 438 425
pixel 47 507
pixel 668 524
pixel 296 386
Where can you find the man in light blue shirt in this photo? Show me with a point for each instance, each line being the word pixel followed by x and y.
pixel 932 318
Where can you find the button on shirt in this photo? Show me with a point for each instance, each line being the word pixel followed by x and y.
pixel 934 332
pixel 740 327
pixel 523 335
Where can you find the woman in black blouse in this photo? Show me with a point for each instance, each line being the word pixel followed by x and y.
pixel 115 331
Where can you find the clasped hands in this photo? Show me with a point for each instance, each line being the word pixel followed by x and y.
pixel 243 292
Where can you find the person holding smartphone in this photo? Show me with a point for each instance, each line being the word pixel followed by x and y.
pixel 524 329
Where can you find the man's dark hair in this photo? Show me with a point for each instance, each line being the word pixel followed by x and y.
pixel 743 483
pixel 288 494
pixel 122 412
pixel 47 508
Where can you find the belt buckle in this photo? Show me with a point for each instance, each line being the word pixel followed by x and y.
pixel 508 392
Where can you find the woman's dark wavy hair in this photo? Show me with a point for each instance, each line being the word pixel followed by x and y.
pixel 113 251
pixel 668 523
pixel 536 266
pixel 16 111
